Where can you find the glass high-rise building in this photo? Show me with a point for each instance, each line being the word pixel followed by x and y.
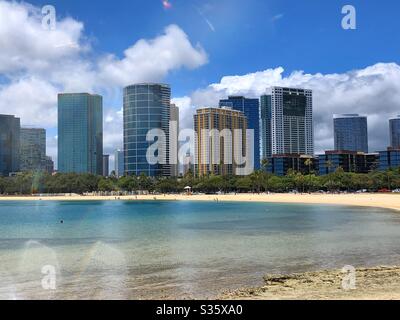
pixel 106 165
pixel 395 132
pixel 174 118
pixel 119 163
pixel 10 128
pixel 33 149
pixel 80 133
pixel 49 165
pixel 251 109
pixel 351 133
pixel 266 129
pixel 287 122
pixel 147 106
pixel 389 159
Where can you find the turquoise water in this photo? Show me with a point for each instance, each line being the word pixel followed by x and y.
pixel 155 250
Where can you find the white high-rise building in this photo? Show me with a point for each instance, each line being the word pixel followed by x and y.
pixel 288 122
pixel 174 135
pixel 119 163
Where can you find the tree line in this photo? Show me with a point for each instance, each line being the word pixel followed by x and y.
pixel 259 181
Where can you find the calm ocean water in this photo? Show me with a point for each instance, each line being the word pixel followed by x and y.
pixel 155 250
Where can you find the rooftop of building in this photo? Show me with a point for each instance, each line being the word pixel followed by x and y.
pixel 346 152
pixel 33 128
pixel 391 149
pixel 348 115
pixel 238 98
pixel 292 155
pixel 148 84
pixel 8 116
pixel 78 94
pixel 288 90
pixel 217 110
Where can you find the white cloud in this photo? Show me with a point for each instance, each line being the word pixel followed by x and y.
pixel 152 60
pixel 36 64
pixel 33 100
pixel 373 91
pixel 277 17
pixel 26 46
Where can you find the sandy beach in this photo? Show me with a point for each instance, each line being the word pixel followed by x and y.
pixel 380 283
pixel 387 201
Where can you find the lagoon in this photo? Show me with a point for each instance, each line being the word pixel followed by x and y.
pixel 180 249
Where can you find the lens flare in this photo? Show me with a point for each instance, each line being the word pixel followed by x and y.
pixel 166 4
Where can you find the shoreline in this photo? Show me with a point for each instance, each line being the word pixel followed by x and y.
pixel 385 201
pixel 379 283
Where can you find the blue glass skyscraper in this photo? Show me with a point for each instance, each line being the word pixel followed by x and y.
pixel 80 133
pixel 251 109
pixel 146 107
pixel 9 144
pixel 395 132
pixel 119 167
pixel 351 133
pixel 266 126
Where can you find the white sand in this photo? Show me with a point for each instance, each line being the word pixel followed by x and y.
pixel 388 201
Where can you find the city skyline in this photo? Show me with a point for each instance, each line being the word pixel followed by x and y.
pixel 201 73
pixel 351 134
pixel 214 152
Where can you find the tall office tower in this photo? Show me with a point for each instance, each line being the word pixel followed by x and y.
pixel 106 165
pixel 146 107
pixel 33 149
pixel 173 149
pixel 49 165
pixel 266 126
pixel 80 133
pixel 351 133
pixel 10 128
pixel 251 109
pixel 291 126
pixel 188 164
pixel 395 132
pixel 214 152
pixel 119 163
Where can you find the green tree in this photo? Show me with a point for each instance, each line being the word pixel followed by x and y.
pixel 106 185
pixel 145 183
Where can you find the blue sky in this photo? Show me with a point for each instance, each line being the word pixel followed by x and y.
pixel 197 47
pixel 249 35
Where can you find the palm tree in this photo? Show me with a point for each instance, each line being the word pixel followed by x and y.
pixel 389 176
pixel 309 163
pixel 329 165
pixel 264 166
